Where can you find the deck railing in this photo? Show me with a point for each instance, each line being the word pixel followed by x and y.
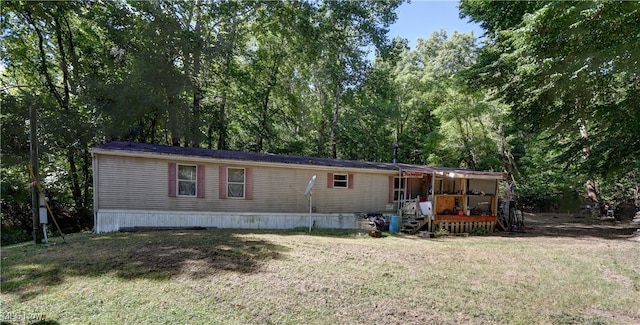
pixel 462 224
pixel 413 221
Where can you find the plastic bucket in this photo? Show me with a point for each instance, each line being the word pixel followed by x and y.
pixel 394 224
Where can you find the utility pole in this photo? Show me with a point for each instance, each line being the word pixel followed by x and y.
pixel 35 206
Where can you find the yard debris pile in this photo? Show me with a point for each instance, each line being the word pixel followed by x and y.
pixel 375 233
pixel 636 221
pixel 636 218
pixel 636 236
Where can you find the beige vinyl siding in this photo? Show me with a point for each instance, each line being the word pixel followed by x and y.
pixel 281 189
pixel 138 183
pixel 141 183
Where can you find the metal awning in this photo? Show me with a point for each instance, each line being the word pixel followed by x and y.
pixel 413 170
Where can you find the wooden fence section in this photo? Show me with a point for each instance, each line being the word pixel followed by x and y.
pixel 462 224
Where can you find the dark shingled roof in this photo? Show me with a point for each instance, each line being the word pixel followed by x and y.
pixel 241 155
pixel 284 159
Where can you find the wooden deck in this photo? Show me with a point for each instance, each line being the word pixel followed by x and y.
pixel 460 224
pixel 451 223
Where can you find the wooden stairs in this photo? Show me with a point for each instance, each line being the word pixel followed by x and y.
pixel 413 224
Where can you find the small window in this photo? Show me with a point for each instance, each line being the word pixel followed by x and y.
pixel 398 188
pixel 187 177
pixel 235 182
pixel 340 180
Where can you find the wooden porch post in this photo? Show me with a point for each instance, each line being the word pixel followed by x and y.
pixel 463 185
pixel 402 194
pixel 433 200
pixel 494 200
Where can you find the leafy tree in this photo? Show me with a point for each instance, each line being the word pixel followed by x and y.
pixel 569 68
pixel 278 51
pixel 441 120
pixel 46 57
pixel 345 29
pixel 366 132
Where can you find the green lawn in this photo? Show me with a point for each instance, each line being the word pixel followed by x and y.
pixel 288 277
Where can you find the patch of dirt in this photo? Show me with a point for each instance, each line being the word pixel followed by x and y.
pixel 615 317
pixel 569 225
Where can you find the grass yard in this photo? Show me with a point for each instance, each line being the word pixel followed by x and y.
pixel 564 271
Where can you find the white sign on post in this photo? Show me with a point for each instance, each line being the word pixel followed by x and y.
pixel 43 211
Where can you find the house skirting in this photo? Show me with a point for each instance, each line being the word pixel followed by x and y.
pixel 114 220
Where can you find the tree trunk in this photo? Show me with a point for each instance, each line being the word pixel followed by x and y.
pixel 508 162
pixel 466 138
pixel 323 126
pixel 86 175
pixel 590 184
pixel 210 136
pixel 63 63
pixel 196 138
pixel 334 124
pixel 35 168
pixel 226 76
pixel 265 130
pixel 222 123
pixel 152 132
pixel 263 124
pixel 74 81
pixel 44 67
pixel 76 194
pixel 76 191
pixel 173 122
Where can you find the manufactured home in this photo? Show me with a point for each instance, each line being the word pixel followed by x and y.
pixel 157 186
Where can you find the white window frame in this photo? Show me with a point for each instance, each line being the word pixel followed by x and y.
pixel 399 185
pixel 179 180
pixel 244 183
pixel 344 181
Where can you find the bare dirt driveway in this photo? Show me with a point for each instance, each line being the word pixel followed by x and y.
pixel 578 225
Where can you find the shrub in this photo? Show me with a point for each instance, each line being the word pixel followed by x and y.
pixel 12 236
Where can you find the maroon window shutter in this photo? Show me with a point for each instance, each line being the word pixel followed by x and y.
pixel 350 181
pixel 248 184
pixel 330 180
pixel 391 185
pixel 222 182
pixel 172 180
pixel 200 181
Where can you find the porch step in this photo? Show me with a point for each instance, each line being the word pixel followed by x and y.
pixel 411 225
